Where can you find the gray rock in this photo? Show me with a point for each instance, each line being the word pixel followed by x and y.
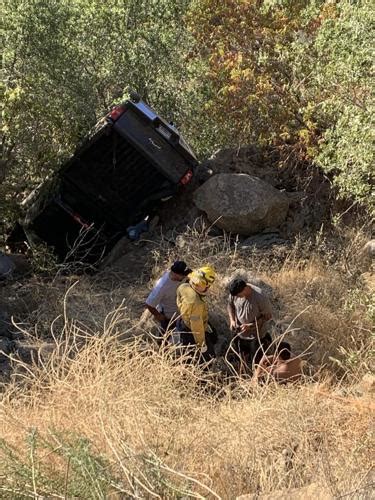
pixel 21 264
pixel 32 354
pixel 240 203
pixel 123 246
pixel 5 372
pixel 5 326
pixel 13 265
pixel 297 223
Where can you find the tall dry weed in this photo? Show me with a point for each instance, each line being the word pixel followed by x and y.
pixel 164 428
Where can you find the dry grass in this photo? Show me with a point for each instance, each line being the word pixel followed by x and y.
pixel 166 428
pixel 104 418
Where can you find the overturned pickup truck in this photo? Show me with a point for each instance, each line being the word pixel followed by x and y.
pixel 131 161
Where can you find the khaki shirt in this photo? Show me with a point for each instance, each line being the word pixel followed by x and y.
pixel 193 310
pixel 248 310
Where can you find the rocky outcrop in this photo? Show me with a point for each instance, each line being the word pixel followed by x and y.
pixel 241 203
pixel 6 347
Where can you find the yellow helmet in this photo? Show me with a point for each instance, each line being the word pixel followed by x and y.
pixel 202 278
pixel 209 274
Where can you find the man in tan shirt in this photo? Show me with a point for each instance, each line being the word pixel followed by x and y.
pixel 249 309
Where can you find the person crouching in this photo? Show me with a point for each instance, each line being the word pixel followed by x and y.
pixel 161 302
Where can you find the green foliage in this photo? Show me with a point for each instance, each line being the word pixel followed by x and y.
pixel 343 76
pixel 292 74
pixel 73 469
pixel 65 465
pixel 43 260
pixel 247 48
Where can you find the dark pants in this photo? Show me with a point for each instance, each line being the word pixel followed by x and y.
pixel 167 324
pixel 162 328
pixel 187 338
pixel 253 349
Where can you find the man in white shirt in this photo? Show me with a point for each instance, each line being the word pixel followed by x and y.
pixel 161 302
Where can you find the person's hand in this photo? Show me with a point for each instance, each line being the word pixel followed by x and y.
pixel 247 329
pixel 161 317
pixel 203 348
pixel 266 361
pixel 232 325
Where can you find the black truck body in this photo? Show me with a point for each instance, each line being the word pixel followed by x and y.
pixel 131 161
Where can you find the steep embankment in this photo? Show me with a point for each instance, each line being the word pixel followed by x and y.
pixel 96 416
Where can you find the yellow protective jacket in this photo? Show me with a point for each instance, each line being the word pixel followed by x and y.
pixel 193 310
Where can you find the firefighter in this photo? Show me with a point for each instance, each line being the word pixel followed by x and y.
pixel 191 301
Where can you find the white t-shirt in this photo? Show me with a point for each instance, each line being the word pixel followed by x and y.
pixel 163 295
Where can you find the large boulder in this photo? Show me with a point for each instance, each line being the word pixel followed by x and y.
pixel 240 203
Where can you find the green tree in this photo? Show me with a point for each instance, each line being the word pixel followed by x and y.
pixel 294 75
pixel 343 76
pixel 246 45
pixel 67 61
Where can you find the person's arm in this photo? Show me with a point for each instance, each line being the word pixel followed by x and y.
pixel 197 325
pixel 155 298
pixel 265 310
pixel 288 371
pixel 232 315
pixel 264 368
pixel 197 329
pixel 156 314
